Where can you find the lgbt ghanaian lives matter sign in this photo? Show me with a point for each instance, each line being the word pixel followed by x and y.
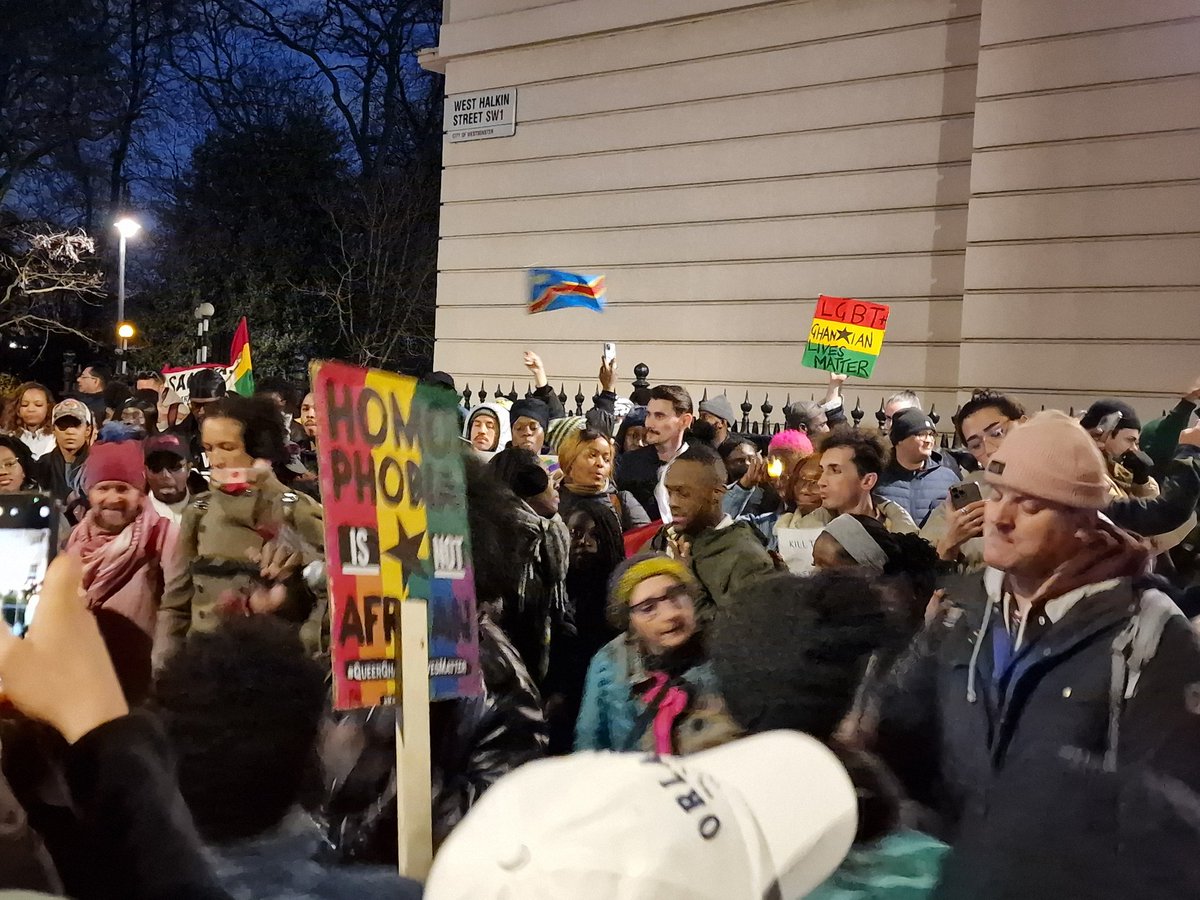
pixel 846 336
pixel 394 491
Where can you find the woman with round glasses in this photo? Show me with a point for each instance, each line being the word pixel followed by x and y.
pixel 653 688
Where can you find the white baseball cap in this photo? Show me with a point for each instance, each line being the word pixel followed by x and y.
pixel 768 816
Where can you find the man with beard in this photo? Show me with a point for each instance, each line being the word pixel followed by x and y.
pixel 122 542
pixel 668 416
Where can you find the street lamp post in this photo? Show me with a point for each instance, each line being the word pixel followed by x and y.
pixel 203 312
pixel 126 228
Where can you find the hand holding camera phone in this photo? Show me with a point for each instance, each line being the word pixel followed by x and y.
pixel 964 494
pixel 28 541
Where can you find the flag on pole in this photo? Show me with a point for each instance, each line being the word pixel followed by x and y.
pixel 555 289
pixel 241 371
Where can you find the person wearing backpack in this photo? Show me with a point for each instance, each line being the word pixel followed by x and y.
pixel 1058 650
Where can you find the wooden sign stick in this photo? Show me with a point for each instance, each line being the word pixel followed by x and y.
pixel 414 778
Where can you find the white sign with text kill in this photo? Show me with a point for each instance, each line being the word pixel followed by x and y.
pixel 481 115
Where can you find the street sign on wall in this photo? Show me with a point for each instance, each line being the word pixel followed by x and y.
pixel 481 115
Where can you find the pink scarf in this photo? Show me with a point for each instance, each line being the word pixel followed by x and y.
pixel 111 560
pixel 673 704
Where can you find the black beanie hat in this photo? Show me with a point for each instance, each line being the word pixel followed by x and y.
pixel 521 470
pixel 1102 408
pixel 908 422
pixel 531 408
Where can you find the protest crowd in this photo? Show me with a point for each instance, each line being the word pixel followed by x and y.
pixel 831 660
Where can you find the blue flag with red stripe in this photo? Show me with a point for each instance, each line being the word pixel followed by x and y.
pixel 556 289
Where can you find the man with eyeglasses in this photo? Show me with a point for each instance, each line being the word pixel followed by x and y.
pixel 169 475
pixel 982 423
pixel 917 477
pixel 90 386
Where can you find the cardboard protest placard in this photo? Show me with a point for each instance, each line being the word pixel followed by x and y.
pixel 796 547
pixel 846 336
pixel 394 490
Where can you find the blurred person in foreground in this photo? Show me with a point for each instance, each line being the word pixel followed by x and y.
pixel 769 816
pixel 242 708
pixel 474 741
pixel 1059 647
pixel 123 829
pixel 793 654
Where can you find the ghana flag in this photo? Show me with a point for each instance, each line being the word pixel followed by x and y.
pixel 846 336
pixel 240 374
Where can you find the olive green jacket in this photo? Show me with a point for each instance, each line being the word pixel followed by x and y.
pixel 220 536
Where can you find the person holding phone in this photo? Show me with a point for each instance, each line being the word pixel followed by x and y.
pixel 955 528
pixel 1116 428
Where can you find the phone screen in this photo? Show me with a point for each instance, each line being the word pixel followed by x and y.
pixel 26 546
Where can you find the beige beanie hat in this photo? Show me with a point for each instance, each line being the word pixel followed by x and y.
pixel 1053 458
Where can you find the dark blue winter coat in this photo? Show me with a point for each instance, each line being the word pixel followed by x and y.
pixel 919 492
pixel 956 721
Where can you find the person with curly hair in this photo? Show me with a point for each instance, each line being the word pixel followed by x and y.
pixel 242 708
pixel 27 417
pixel 793 655
pixel 16 466
pixel 852 463
pixel 243 544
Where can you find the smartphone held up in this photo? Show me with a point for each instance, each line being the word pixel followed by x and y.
pixel 27 544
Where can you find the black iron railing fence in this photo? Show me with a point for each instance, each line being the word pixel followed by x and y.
pixel 766 420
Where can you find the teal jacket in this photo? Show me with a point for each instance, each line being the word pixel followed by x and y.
pixel 610 710
pixel 905 865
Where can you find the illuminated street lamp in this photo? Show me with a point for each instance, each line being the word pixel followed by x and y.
pixel 126 331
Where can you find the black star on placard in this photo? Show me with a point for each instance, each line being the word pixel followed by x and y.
pixel 843 335
pixel 407 552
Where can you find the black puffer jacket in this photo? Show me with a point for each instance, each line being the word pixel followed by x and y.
pixel 473 742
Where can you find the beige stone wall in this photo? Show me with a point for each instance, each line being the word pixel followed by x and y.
pixel 1083 254
pixel 722 162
